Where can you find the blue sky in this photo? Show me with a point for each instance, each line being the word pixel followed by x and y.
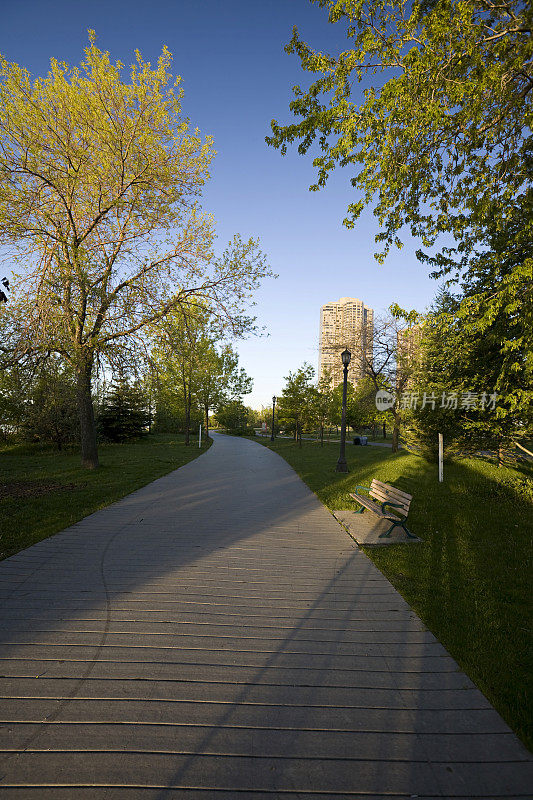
pixel 237 77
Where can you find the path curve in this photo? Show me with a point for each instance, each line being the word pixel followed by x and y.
pixel 217 634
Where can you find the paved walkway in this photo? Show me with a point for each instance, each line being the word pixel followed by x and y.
pixel 219 633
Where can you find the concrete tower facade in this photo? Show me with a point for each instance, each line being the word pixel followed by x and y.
pixel 345 323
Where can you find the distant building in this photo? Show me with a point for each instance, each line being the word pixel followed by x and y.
pixel 409 352
pixel 347 323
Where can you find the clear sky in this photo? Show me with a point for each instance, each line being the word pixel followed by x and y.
pixel 237 77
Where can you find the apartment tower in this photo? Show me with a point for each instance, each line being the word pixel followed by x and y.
pixel 347 323
pixel 409 354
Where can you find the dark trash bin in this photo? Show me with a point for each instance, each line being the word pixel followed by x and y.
pixel 364 439
pixel 357 440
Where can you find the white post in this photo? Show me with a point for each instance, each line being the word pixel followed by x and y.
pixel 441 449
pixel 200 436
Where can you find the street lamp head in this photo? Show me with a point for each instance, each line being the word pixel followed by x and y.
pixel 346 357
pixel 274 400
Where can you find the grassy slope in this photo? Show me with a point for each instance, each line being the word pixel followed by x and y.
pixel 56 491
pixel 470 581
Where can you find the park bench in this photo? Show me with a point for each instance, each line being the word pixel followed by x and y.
pixel 381 497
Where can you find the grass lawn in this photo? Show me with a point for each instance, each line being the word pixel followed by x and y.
pixel 43 491
pixel 470 580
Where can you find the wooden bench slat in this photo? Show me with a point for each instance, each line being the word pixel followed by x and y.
pixel 367 503
pixel 381 497
pixel 385 497
pixel 364 501
pixel 390 489
pixel 390 485
pixel 389 495
pixel 394 507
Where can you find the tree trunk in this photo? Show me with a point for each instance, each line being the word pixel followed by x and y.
pixel 384 430
pixel 187 419
pixel 321 436
pixel 89 450
pixel 396 430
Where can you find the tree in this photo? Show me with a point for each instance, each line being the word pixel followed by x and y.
pixel 99 186
pixel 440 136
pixel 496 308
pixel 124 413
pixel 472 389
pixel 189 354
pixel 38 401
pixel 362 411
pixel 336 402
pixel 295 404
pixel 16 385
pixel 218 377
pixel 322 403
pixel 175 355
pixel 389 367
pixel 235 417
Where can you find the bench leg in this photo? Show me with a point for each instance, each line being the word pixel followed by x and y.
pixel 360 510
pixel 394 524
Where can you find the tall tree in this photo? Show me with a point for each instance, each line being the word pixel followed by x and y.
pixel 235 417
pixel 389 367
pixel 362 411
pixel 336 402
pixel 38 401
pixel 175 355
pixel 99 185
pixel 295 406
pixel 430 109
pixel 124 411
pixel 475 390
pixel 218 378
pixel 322 404
pixel 496 308
pixel 189 352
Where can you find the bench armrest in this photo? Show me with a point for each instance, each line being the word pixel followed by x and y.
pixel 366 488
pixel 388 503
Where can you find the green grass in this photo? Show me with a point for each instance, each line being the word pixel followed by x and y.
pixel 470 579
pixel 43 491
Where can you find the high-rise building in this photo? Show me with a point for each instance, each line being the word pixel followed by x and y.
pixel 409 340
pixel 347 323
pixel 408 355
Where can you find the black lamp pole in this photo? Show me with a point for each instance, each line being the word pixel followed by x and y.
pixel 342 466
pixel 272 437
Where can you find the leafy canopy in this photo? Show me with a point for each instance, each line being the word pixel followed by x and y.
pixel 99 186
pixel 295 405
pixel 478 393
pixel 429 107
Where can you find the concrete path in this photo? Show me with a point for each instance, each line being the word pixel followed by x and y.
pixel 218 635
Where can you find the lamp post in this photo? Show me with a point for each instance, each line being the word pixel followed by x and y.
pixel 342 466
pixel 272 437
